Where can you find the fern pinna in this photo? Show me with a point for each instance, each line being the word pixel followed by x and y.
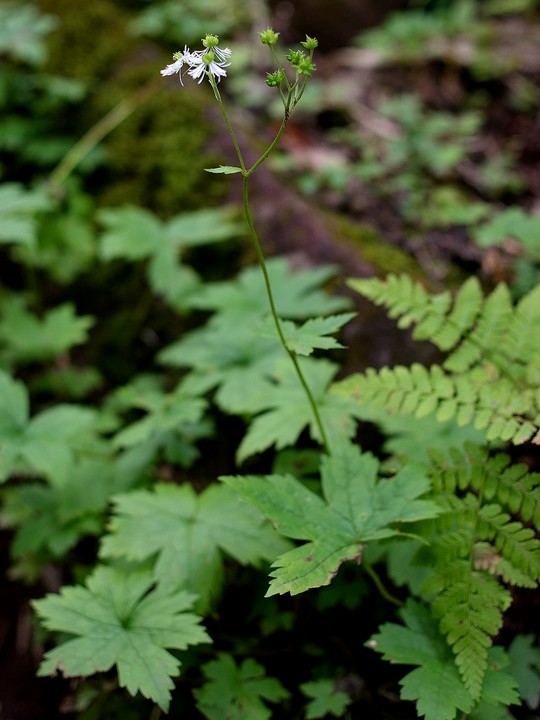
pixel 491 374
pixel 478 546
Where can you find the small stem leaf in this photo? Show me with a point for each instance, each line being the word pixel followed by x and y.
pixel 224 170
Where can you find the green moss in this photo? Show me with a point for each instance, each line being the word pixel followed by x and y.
pixel 373 248
pixel 156 157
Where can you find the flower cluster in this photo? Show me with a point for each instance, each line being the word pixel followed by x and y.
pixel 210 62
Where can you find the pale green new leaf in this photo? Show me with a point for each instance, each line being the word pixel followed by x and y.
pixel 187 534
pixel 237 692
pixel 357 508
pixel 327 700
pixel 224 170
pixel 119 620
pixel 311 335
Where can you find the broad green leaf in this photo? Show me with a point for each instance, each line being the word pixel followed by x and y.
pixel 48 443
pixel 525 667
pixel 436 685
pixel 224 169
pixel 311 335
pixel 24 337
pixel 297 294
pixel 202 227
pixel 226 356
pixel 283 410
pixel 23 31
pixel 437 690
pixel 237 691
pixel 18 209
pixel 327 700
pixel 188 533
pixel 357 508
pixel 132 233
pixel 119 620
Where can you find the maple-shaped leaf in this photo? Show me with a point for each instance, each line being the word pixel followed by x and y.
pixel 227 356
pixel 312 334
pixel 357 507
pixel 46 444
pixel 435 684
pixel 297 294
pixel 18 207
pixel 188 533
pixel 24 337
pixel 283 410
pixel 120 619
pixel 238 692
pixel 326 699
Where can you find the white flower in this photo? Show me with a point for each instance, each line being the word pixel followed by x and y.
pixel 181 59
pixel 200 65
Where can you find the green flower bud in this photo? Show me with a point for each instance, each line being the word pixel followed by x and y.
pixel 305 67
pixel 210 41
pixel 275 79
pixel 310 43
pixel 268 36
pixel 295 57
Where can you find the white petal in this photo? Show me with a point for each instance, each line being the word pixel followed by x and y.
pixel 173 67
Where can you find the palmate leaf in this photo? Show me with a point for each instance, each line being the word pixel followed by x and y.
pixel 24 337
pixel 356 508
pixel 283 411
pixel 326 699
pixel 118 619
pixel 188 534
pixel 18 206
pixel 298 294
pixel 238 692
pixel 311 335
pixel 46 444
pixel 227 356
pixel 436 685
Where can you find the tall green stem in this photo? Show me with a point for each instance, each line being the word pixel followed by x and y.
pixel 260 255
pixel 291 353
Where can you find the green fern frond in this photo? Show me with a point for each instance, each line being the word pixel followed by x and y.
pixel 515 542
pixel 491 374
pixel 470 611
pixel 512 486
pixel 477 544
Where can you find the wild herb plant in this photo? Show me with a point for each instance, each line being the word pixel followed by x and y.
pixel 449 522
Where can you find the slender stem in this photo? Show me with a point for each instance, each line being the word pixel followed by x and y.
pixel 292 355
pixel 260 255
pixel 379 585
pixel 269 149
pixel 96 133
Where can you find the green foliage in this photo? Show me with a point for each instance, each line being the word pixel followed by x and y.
pixel 356 508
pixel 25 338
pixel 491 373
pixel 46 444
pixel 135 234
pixel 120 619
pixel 435 684
pixel 17 213
pixel 237 691
pixel 187 533
pixel 326 699
pixel 525 666
pixel 23 30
